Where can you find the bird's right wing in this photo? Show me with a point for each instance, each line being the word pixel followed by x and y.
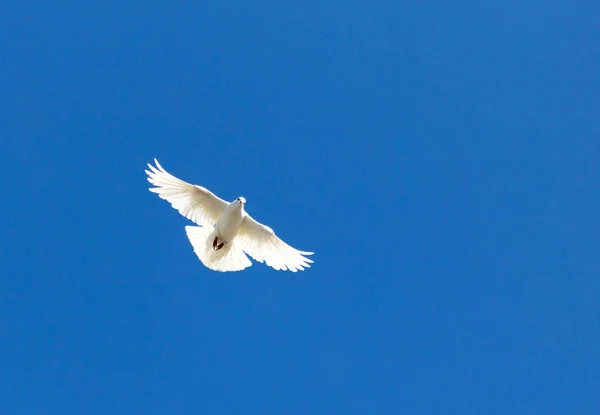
pixel 261 243
pixel 194 202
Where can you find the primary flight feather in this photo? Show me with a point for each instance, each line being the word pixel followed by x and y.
pixel 226 233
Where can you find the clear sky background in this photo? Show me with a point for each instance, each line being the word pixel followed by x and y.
pixel 441 158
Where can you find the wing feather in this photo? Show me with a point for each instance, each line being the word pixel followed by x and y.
pixel 261 243
pixel 196 203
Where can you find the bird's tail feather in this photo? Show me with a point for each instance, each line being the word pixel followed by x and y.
pixel 228 258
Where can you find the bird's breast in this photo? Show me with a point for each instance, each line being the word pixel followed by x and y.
pixel 229 223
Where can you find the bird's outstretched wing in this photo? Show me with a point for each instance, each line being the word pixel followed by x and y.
pixel 261 243
pixel 194 202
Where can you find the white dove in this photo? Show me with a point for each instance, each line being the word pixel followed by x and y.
pixel 226 231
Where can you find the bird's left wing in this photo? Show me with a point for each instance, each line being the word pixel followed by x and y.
pixel 261 243
pixel 194 202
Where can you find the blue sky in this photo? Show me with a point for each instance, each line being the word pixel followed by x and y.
pixel 440 158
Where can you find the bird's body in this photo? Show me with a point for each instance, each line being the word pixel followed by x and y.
pixel 228 225
pixel 226 232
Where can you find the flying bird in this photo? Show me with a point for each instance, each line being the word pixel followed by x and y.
pixel 226 233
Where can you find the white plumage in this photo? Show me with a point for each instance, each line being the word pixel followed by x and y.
pixel 226 232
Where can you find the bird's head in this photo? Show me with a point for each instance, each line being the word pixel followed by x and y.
pixel 240 200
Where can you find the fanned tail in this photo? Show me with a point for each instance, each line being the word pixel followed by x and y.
pixel 228 258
